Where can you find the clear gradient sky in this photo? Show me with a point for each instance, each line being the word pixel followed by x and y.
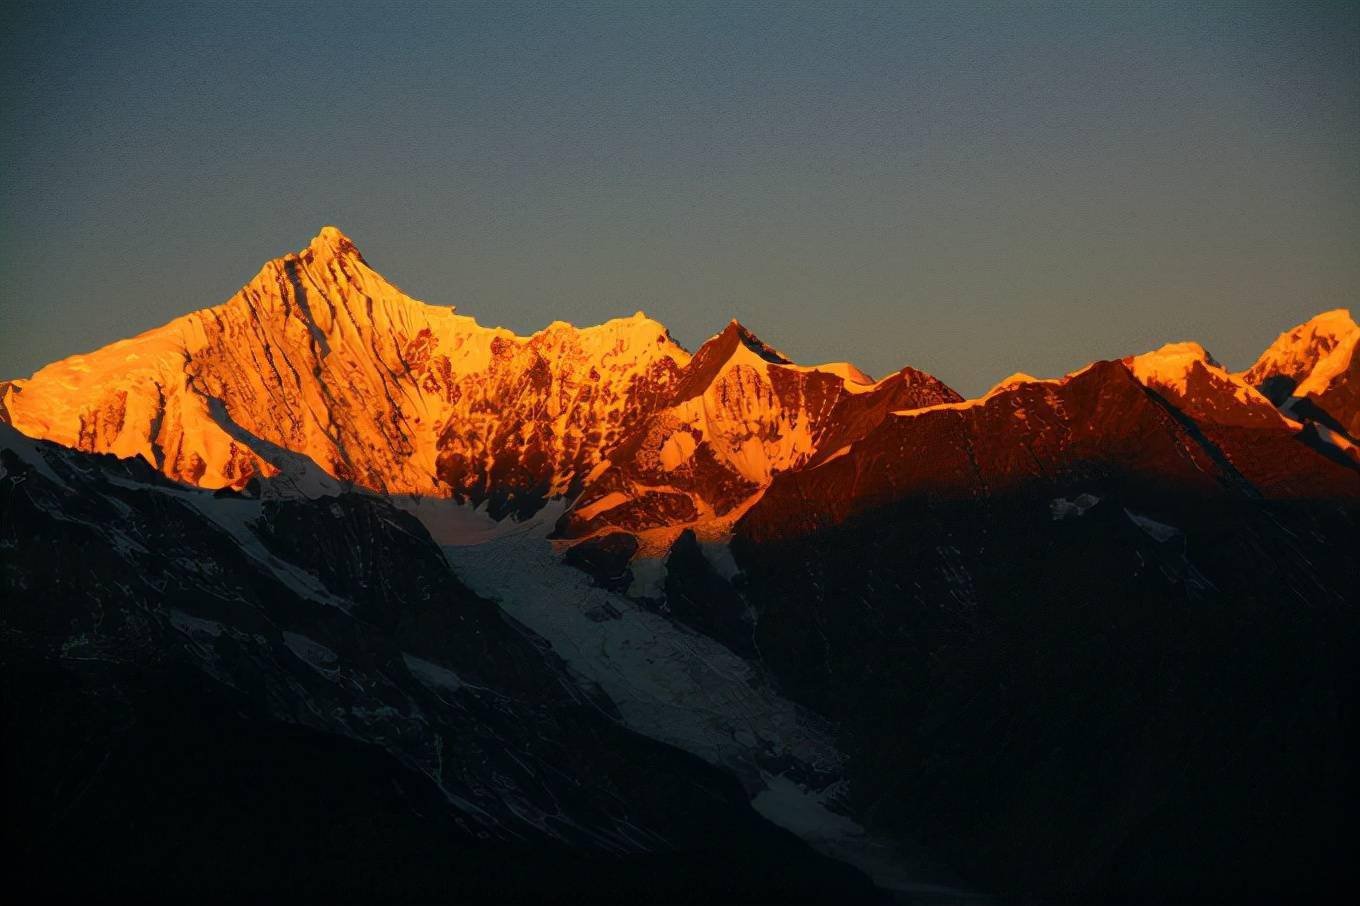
pixel 970 188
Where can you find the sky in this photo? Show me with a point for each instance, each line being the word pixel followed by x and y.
pixel 973 189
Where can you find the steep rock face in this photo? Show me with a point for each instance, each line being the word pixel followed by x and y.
pixel 696 595
pixel 736 417
pixel 320 356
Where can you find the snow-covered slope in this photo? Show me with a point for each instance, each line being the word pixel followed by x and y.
pixel 1296 352
pixel 1313 374
pixel 1188 376
pixel 675 685
pixel 1331 392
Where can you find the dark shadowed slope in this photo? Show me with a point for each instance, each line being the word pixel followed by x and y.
pixel 240 696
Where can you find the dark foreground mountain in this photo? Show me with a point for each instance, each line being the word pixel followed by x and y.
pixel 229 696
pixel 1088 647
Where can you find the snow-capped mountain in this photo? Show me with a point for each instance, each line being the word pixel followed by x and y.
pixel 738 415
pixel 1312 372
pixel 1170 423
pixel 1069 625
pixel 1332 389
pixel 320 356
pixel 1028 628
pixel 320 361
pixel 1296 352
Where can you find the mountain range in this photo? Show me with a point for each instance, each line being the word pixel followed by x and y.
pixel 638 616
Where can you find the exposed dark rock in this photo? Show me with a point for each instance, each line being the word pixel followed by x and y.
pixel 605 558
pixel 698 597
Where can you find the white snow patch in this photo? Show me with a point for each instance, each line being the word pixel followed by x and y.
pixel 1157 531
pixel 29 450
pixel 649 577
pixel 235 516
pixel 311 652
pixel 1341 442
pixel 605 503
pixel 1062 508
pixel 718 553
pixel 1331 366
pixel 452 523
pixel 677 449
pixel 432 674
pixel 676 686
pixel 195 626
pixel 804 812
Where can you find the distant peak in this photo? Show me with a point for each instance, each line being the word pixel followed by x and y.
pixel 1182 354
pixel 736 332
pixel 1297 351
pixel 1169 365
pixel 1338 320
pixel 719 350
pixel 1014 380
pixel 331 242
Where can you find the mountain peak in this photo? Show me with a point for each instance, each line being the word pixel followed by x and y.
pixel 737 333
pixel 1188 376
pixel 1014 380
pixel 1169 364
pixel 1297 351
pixel 331 242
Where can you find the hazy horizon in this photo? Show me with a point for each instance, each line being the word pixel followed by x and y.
pixel 970 189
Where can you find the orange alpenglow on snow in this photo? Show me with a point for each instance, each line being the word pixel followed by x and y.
pixel 322 374
pixel 321 356
pixel 1312 371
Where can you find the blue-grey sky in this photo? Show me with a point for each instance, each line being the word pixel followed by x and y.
pixel 970 188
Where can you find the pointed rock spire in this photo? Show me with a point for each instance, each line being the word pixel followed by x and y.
pixel 331 242
pixel 735 332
